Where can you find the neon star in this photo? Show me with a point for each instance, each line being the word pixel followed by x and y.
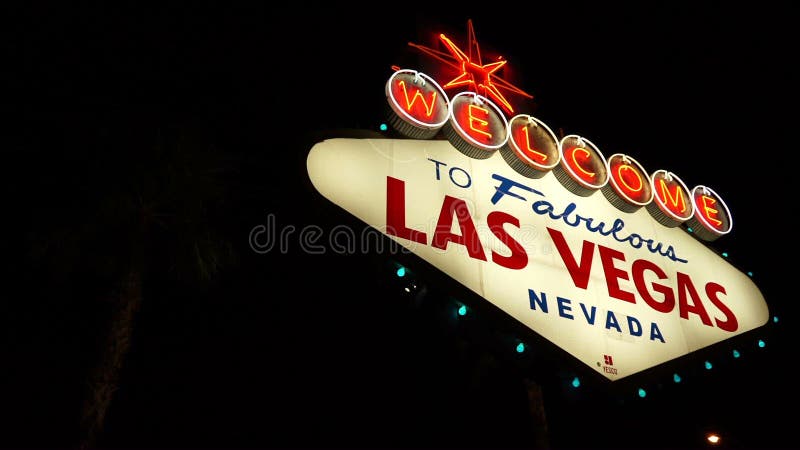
pixel 473 73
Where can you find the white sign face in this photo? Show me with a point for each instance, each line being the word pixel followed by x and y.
pixel 617 290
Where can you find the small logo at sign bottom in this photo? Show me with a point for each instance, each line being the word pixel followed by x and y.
pixel 609 361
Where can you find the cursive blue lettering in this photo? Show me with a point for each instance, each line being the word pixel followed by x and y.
pixel 571 218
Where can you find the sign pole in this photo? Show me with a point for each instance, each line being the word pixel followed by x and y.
pixel 537 413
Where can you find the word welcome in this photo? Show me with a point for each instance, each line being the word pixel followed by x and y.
pixel 478 128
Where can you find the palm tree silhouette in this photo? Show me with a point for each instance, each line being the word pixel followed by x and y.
pixel 130 218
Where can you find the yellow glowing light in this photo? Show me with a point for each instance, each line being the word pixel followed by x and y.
pixel 418 94
pixel 541 156
pixel 677 200
pixel 713 438
pixel 482 122
pixel 625 182
pixel 577 164
pixel 708 211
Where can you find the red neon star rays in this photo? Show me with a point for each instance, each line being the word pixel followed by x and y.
pixel 481 77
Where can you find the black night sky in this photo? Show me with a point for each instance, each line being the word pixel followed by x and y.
pixel 144 143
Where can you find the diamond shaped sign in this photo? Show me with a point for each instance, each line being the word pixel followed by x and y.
pixel 604 282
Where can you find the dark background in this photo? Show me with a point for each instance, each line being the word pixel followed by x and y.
pixel 199 117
